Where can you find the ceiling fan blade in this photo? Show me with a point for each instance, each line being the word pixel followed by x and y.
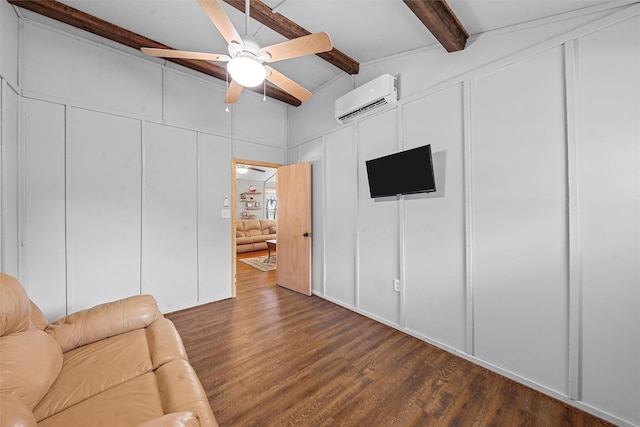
pixel 171 53
pixel 233 93
pixel 288 85
pixel 253 168
pixel 217 15
pixel 305 45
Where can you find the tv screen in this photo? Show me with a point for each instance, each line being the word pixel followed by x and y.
pixel 406 172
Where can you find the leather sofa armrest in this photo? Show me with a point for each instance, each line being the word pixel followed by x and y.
pixel 104 321
pixel 176 419
pixel 14 412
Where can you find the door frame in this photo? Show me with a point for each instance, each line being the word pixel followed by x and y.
pixel 234 162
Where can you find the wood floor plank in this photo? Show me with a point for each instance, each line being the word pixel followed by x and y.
pixel 273 357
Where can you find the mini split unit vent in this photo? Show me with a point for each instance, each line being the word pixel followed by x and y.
pixel 367 98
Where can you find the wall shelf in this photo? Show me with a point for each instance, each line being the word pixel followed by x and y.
pixel 249 194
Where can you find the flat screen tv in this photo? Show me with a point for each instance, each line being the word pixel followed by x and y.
pixel 406 172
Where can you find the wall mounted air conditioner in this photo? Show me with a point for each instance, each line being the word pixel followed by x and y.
pixel 367 98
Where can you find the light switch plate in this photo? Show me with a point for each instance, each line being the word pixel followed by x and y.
pixel 226 213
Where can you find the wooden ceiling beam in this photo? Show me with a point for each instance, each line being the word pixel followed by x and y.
pixel 76 18
pixel 438 17
pixel 289 29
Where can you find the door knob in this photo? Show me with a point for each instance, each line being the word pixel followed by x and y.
pixel 307 234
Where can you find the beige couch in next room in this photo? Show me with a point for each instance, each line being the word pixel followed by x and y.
pixel 252 234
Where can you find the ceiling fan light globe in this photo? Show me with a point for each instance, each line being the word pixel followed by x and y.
pixel 242 169
pixel 247 71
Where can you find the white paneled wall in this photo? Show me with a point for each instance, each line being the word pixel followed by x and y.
pixel 195 103
pixel 43 265
pixel 253 121
pixel 8 137
pixel 526 258
pixel 214 236
pixel 434 224
pixel 72 69
pixel 378 225
pixel 257 151
pixel 340 216
pixel 117 180
pixel 9 154
pixel 8 44
pixel 170 216
pixel 608 193
pixel 519 222
pixel 103 208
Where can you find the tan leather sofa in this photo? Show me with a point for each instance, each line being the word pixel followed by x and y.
pixel 252 234
pixel 116 364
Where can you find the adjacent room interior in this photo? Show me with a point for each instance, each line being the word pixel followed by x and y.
pixel 501 288
pixel 255 215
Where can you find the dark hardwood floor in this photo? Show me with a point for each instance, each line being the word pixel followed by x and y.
pixel 272 357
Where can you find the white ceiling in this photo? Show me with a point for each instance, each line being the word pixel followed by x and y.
pixel 366 30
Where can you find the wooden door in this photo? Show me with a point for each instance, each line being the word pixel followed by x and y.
pixel 294 227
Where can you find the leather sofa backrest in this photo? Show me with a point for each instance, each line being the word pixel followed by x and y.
pixel 240 228
pixel 91 325
pixel 255 227
pixel 252 228
pixel 15 308
pixel 268 226
pixel 31 359
pixel 38 318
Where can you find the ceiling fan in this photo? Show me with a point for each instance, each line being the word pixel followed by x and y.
pixel 246 58
pixel 242 169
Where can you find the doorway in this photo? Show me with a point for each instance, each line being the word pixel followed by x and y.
pixel 254 196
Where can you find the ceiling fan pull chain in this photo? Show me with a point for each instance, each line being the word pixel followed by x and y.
pixel 226 80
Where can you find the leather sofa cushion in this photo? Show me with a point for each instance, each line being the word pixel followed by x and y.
pixel 244 240
pixel 29 376
pixel 175 419
pixel 261 238
pixel 173 388
pixel 91 369
pixel 138 400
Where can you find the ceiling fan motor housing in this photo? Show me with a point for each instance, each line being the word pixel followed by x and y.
pixel 249 47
